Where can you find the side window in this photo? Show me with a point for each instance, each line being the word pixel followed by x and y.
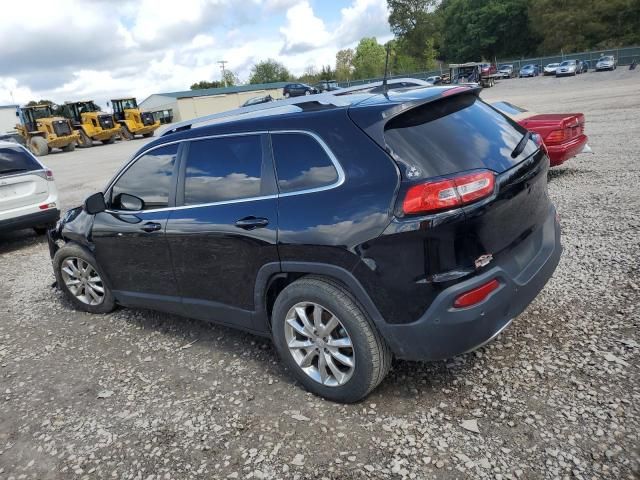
pixel 301 162
pixel 223 169
pixel 149 178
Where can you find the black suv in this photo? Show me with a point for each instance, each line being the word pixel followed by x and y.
pixel 349 229
pixel 297 90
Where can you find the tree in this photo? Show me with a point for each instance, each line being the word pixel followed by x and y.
pixel 417 26
pixel 369 59
pixel 230 78
pixel 310 75
pixel 206 84
pixel 344 64
pixel 39 102
pixel 269 71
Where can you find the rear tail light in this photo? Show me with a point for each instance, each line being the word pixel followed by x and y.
pixel 475 296
pixel 557 136
pixel 49 174
pixel 448 193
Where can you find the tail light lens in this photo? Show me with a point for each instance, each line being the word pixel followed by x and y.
pixel 49 174
pixel 448 193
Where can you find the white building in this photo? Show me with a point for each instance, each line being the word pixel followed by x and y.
pixel 8 118
pixel 197 103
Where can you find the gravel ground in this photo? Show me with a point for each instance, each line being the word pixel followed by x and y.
pixel 137 394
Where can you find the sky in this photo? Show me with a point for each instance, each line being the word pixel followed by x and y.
pixel 100 49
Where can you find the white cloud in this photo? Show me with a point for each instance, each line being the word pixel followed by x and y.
pixel 94 50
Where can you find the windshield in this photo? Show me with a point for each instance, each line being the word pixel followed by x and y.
pixel 88 107
pixel 551 65
pixel 505 67
pixel 43 112
pixel 527 67
pixel 605 59
pixel 566 63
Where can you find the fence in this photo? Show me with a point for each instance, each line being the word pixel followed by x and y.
pixel 624 55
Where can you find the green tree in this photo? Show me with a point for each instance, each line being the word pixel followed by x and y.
pixel 369 59
pixel 344 64
pixel 39 102
pixel 206 84
pixel 417 26
pixel 230 78
pixel 269 71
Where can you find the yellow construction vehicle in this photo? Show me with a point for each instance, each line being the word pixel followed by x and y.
pixel 90 123
pixel 132 121
pixel 43 131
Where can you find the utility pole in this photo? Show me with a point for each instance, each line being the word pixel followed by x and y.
pixel 224 77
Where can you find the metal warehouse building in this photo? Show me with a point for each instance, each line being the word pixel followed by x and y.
pixel 178 106
pixel 8 118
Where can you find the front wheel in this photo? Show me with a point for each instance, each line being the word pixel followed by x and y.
pixel 38 146
pixel 109 140
pixel 69 148
pixel 85 141
pixel 327 341
pixel 81 280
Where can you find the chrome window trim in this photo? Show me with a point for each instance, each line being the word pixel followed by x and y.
pixel 332 157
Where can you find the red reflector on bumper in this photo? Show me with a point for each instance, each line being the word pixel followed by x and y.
pixel 478 294
pixel 46 206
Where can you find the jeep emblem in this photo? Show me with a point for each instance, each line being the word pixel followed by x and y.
pixel 483 260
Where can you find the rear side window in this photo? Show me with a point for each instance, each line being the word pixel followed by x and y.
pixel 223 169
pixel 149 178
pixel 301 163
pixel 16 160
pixel 454 134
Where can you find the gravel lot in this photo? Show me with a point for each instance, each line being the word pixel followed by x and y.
pixel 138 394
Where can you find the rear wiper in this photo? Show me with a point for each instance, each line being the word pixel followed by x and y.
pixel 520 147
pixel 13 170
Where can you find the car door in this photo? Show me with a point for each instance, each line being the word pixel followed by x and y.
pixel 130 245
pixel 225 227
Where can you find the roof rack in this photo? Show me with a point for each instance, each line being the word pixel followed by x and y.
pixel 278 107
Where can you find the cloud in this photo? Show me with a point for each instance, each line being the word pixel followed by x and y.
pixel 71 49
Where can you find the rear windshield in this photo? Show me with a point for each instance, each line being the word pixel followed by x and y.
pixel 454 134
pixel 16 160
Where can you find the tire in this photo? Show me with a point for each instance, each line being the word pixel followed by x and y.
pixel 41 230
pixel 369 353
pixel 76 254
pixel 38 146
pixel 148 135
pixel 307 92
pixel 126 134
pixel 69 148
pixel 109 140
pixel 287 95
pixel 85 141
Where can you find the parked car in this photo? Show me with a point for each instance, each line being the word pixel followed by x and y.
pixel 13 138
pixel 562 133
pixel 568 67
pixel 507 71
pixel 529 71
pixel 585 66
pixel 378 87
pixel 434 80
pixel 606 62
pixel 258 100
pixel 297 90
pixel 326 86
pixel 488 69
pixel 326 229
pixel 28 193
pixel 551 69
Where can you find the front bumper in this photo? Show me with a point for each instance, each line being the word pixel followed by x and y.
pixel 443 331
pixel 37 219
pixel 63 141
pixel 106 134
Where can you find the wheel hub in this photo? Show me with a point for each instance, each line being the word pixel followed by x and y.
pixel 319 344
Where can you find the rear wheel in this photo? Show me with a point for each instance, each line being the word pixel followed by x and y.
pixel 38 146
pixel 81 280
pixel 85 141
pixel 109 141
pixel 286 95
pixel 147 135
pixel 69 148
pixel 126 134
pixel 327 341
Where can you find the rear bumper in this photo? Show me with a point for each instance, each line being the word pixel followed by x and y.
pixel 444 331
pixel 558 154
pixel 43 218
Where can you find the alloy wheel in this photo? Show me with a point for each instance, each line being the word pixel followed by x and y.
pixel 320 344
pixel 82 280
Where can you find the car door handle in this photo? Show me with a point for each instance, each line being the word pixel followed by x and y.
pixel 151 227
pixel 249 223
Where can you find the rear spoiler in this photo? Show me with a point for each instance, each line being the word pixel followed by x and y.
pixel 373 119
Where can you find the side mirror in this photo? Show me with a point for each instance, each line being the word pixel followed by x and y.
pixel 129 202
pixel 95 203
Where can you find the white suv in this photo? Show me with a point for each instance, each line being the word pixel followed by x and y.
pixel 28 194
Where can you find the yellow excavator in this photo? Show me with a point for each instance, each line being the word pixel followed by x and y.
pixel 42 130
pixel 132 121
pixel 90 123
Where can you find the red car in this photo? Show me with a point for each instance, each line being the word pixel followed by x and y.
pixel 562 133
